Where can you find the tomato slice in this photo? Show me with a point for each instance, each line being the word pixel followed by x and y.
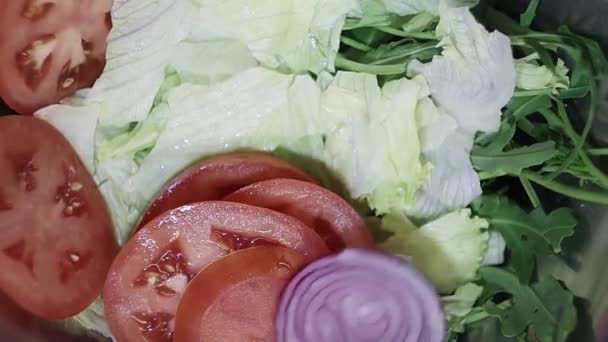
pixel 214 178
pixel 56 241
pixel 50 48
pixel 235 299
pixel 327 213
pixel 149 275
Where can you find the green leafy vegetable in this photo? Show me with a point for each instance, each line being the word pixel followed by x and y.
pixel 527 234
pixel 448 250
pixel 533 76
pixel 292 35
pixel 375 149
pixel 544 309
pixel 459 307
pixel 513 161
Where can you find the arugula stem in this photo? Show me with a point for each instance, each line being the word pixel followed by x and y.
pixel 579 142
pixel 401 33
pixel 355 44
pixel 529 93
pixel 529 188
pixel 393 69
pixel 598 152
pixel 570 191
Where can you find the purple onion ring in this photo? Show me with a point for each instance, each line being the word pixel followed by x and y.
pixel 360 296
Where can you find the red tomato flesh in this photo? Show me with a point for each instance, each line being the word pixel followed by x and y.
pixel 327 213
pixel 148 277
pixel 214 178
pixel 50 48
pixel 234 299
pixel 57 240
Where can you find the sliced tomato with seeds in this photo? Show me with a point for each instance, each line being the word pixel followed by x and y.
pixel 149 275
pixel 56 236
pixel 50 48
pixel 235 299
pixel 327 213
pixel 214 178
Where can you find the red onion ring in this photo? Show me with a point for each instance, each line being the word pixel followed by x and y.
pixel 360 296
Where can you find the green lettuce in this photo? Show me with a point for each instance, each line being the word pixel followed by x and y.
pixel 470 82
pixel 459 307
pixel 255 109
pixel 407 7
pixel 289 35
pixel 531 75
pixel 78 125
pixel 375 152
pixel 449 250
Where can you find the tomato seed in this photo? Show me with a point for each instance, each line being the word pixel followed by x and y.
pixel 235 242
pixel 68 82
pixel 76 186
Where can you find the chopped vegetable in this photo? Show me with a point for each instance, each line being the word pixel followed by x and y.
pixel 526 234
pixel 374 150
pixel 448 250
pixel 459 306
pixel 360 295
pixel 413 109
pixel 235 299
pixel 289 35
pixel 544 308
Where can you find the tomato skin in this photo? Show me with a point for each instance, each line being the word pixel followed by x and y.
pixel 327 213
pixel 57 240
pixel 234 299
pixel 211 179
pixel 50 48
pixel 136 286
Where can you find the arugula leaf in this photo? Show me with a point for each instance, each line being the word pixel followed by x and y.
pixel 514 161
pixel 544 309
pixel 521 107
pixel 527 235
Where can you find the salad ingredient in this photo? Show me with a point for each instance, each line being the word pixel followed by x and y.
pixel 156 28
pixel 50 49
pixel 330 216
pixel 408 7
pixel 470 82
pixel 453 183
pixel 211 61
pixel 526 234
pixel 77 126
pixel 149 275
pixel 375 150
pixel 265 109
pixel 293 36
pixel 360 295
pixel 214 178
pixel 475 75
pixel 234 299
pixel 458 307
pixel 449 250
pixel 545 308
pixel 540 117
pixel 57 242
pixel 532 75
